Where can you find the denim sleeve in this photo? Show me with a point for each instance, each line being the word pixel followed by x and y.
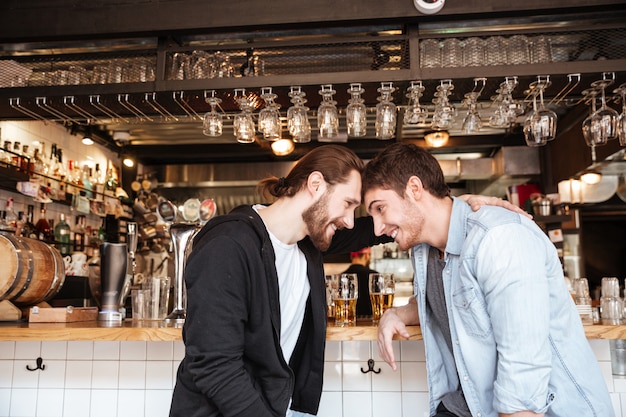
pixel 511 267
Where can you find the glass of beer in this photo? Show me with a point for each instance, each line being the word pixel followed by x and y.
pixel 345 294
pixel 382 288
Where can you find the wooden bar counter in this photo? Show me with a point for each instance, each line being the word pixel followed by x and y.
pixel 146 330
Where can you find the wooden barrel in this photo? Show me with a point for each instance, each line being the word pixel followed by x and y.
pixel 30 272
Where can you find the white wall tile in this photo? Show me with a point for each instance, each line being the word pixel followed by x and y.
pixel 50 402
pixel 355 380
pixel 388 404
pixel 412 350
pixel 387 379
pixel 159 375
pixel 415 404
pixel 106 350
pixel 333 351
pixel 414 376
pixel 54 374
pixel 5 401
pixel 376 353
pixel 331 404
pixel 80 350
pixel 53 350
pixel 357 404
pixel 7 350
pixel 6 374
pixel 130 403
pixel 23 402
pixel 332 376
pixel 160 351
pixel 132 375
pixel 78 374
pixel 27 350
pixel 22 377
pixel 103 403
pixel 179 350
pixel 358 350
pixel 105 375
pixel 158 403
pixel 133 351
pixel 76 402
pixel 601 349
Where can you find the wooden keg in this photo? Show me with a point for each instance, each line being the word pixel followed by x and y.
pixel 31 271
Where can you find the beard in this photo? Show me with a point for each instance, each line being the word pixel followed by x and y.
pixel 412 228
pixel 317 221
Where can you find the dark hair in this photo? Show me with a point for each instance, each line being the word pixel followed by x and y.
pixel 333 161
pixel 392 168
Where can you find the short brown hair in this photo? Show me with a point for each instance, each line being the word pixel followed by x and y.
pixel 335 162
pixel 392 168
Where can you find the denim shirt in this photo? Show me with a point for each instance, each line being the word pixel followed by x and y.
pixel 517 337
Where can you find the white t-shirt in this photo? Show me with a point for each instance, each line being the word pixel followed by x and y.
pixel 294 288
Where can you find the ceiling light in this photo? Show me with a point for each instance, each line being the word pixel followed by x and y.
pixel 283 147
pixel 437 139
pixel 87 141
pixel 129 162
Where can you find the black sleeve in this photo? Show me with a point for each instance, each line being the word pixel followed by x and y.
pixel 359 237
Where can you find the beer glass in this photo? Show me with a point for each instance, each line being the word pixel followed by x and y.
pixel 345 293
pixel 382 288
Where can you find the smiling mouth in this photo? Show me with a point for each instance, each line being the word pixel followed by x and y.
pixel 394 234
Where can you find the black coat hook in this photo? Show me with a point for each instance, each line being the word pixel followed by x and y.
pixel 370 367
pixel 39 363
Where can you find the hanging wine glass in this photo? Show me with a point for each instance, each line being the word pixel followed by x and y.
pixel 385 112
pixel 243 124
pixel 415 114
pixel 445 112
pixel 507 108
pixel 533 138
pixel 472 122
pixel 591 131
pixel 269 117
pixel 605 118
pixel 621 121
pixel 327 115
pixel 356 112
pixel 540 125
pixel 212 123
pixel 297 118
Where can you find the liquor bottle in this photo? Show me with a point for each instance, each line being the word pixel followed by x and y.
pixel 41 163
pixel 98 183
pixel 27 162
pixel 60 173
pixel 16 156
pixel 70 180
pixel 110 183
pixel 79 235
pixel 62 236
pixel 86 181
pixel 10 217
pixel 28 228
pixel 5 156
pixel 44 231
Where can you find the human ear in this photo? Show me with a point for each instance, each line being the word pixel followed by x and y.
pixel 314 181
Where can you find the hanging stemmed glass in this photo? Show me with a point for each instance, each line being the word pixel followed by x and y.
pixel 415 114
pixel 445 112
pixel 386 112
pixel 591 130
pixel 212 123
pixel 297 117
pixel 621 121
pixel 356 112
pixel 472 122
pixel 243 124
pixel 540 125
pixel 605 118
pixel 507 108
pixel 327 115
pixel 269 117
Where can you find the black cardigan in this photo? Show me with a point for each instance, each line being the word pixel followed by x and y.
pixel 233 364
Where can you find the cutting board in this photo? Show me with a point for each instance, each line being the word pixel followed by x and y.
pixel 62 314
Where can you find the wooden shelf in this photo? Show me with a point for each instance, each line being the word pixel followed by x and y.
pixel 140 330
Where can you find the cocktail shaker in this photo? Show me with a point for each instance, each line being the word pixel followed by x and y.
pixel 113 264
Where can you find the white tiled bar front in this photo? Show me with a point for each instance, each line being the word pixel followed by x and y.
pixel 136 378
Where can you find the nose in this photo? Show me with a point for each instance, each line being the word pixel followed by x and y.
pixel 379 226
pixel 348 220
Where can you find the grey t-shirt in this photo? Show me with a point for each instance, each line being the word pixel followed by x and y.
pixel 436 306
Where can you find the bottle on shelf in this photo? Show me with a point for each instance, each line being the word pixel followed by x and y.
pixel 27 162
pixel 6 152
pixel 62 236
pixel 86 181
pixel 44 231
pixel 98 183
pixel 16 156
pixel 79 234
pixel 60 173
pixel 110 183
pixel 41 163
pixel 10 217
pixel 28 228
